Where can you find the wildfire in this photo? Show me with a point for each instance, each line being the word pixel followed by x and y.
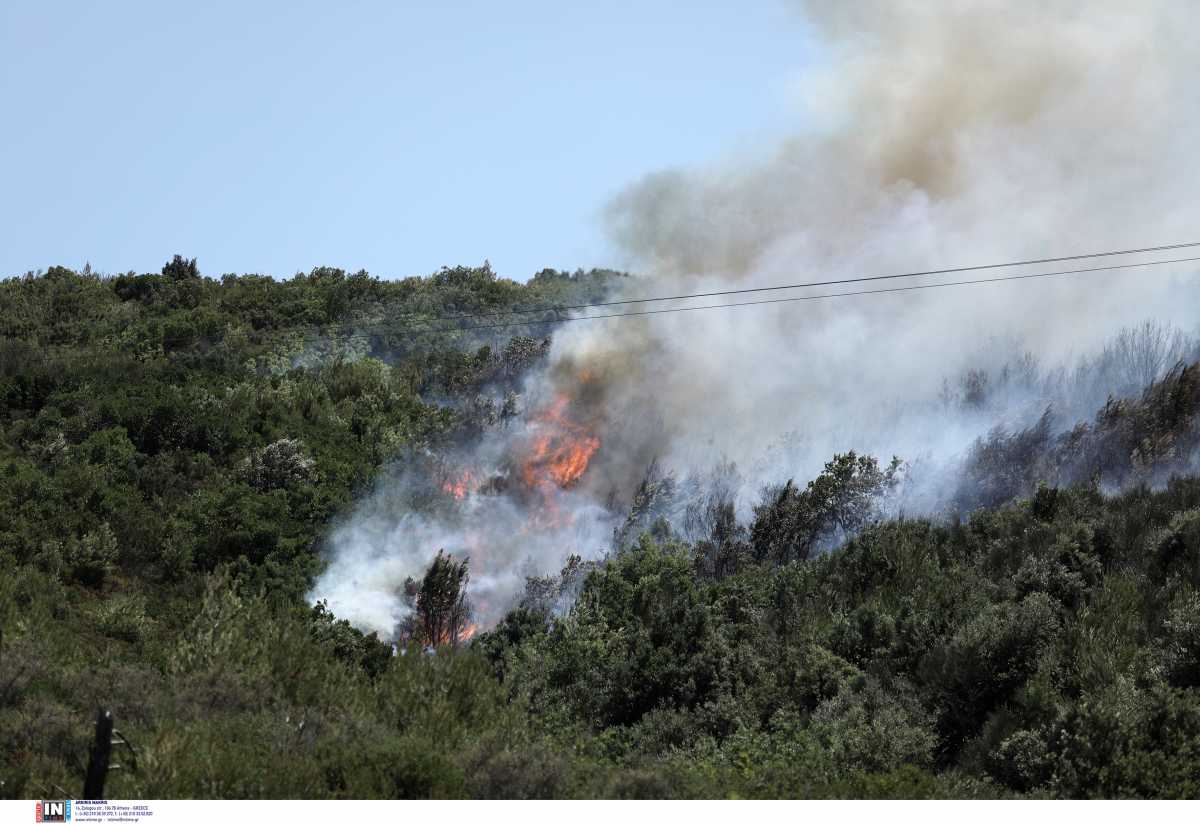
pixel 460 484
pixel 550 456
pixel 560 451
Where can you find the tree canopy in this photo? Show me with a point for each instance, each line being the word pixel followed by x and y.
pixel 175 448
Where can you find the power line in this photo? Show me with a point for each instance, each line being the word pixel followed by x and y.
pixel 365 330
pixel 510 324
pixel 913 287
pixel 838 282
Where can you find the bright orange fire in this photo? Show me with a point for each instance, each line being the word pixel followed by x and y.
pixel 560 451
pixel 459 485
pixel 553 456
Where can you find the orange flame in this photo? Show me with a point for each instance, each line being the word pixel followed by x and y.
pixel 553 457
pixel 460 485
pixel 560 453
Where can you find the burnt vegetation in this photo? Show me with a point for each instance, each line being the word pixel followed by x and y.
pixel 175 448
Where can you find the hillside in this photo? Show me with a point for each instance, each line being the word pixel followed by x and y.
pixel 176 452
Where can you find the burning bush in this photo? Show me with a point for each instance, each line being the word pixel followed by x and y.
pixel 559 449
pixel 441 612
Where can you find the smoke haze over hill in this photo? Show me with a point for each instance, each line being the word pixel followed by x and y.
pixel 940 135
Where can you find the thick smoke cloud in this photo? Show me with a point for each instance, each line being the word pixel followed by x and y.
pixel 939 134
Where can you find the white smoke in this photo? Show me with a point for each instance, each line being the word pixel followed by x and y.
pixel 473 504
pixel 941 134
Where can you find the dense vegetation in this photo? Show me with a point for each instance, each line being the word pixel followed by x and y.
pixel 173 449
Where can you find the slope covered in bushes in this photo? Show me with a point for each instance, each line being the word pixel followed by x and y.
pixel 174 450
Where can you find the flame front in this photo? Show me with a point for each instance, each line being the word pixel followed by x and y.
pixel 560 450
pixel 460 485
pixel 530 482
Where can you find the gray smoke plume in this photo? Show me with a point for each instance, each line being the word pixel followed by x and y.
pixel 940 135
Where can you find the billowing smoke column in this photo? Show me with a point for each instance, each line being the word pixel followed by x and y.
pixel 941 134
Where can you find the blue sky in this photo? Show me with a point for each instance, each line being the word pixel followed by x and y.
pixel 392 136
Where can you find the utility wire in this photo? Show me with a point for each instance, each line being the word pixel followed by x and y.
pixel 839 282
pixel 368 329
pixel 559 307
pixel 911 288
pixel 827 296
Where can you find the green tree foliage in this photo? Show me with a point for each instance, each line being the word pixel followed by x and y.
pixel 1019 652
pixel 180 268
pixel 794 523
pixel 175 448
pixel 441 612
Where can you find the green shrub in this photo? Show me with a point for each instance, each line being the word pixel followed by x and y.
pixel 1178 548
pixel 92 558
pixel 123 618
pixel 1181 640
pixel 875 728
pixel 986 660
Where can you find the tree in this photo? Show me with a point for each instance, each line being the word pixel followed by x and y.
pixel 1140 355
pixel 180 268
pixel 837 503
pixel 278 465
pixel 710 521
pixel 441 612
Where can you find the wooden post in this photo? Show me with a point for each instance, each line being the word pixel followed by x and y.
pixel 93 783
